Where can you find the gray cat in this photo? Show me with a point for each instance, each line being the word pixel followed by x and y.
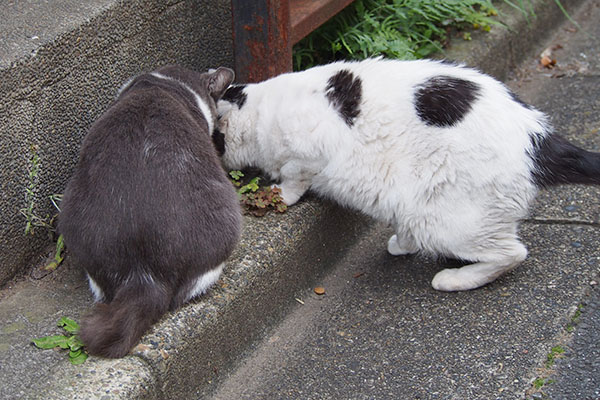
pixel 149 212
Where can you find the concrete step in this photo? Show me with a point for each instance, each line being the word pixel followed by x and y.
pixel 187 353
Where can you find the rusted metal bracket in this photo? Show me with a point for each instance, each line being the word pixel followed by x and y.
pixel 264 32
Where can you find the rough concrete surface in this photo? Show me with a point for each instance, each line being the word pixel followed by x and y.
pixel 53 87
pixel 577 373
pixel 191 352
pixel 187 350
pixel 502 49
pixel 382 332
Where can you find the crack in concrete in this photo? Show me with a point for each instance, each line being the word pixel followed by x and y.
pixel 559 221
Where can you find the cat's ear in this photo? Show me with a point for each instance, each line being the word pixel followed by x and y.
pixel 219 81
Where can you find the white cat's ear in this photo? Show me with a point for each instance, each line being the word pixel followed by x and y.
pixel 220 81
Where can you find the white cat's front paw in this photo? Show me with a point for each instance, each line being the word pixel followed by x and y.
pixel 288 196
pixel 400 247
pixel 455 279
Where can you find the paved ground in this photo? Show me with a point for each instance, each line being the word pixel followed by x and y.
pixel 381 332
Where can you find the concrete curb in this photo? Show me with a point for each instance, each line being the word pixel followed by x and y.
pixel 184 355
pixel 500 50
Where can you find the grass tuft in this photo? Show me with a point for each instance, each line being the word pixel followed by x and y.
pixel 403 29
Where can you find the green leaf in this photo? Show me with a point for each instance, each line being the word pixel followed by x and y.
pixel 236 175
pixel 79 359
pixel 252 186
pixel 74 353
pixel 50 342
pixel 68 325
pixel 60 246
pixel 75 343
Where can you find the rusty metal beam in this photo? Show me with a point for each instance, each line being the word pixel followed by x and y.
pixel 308 15
pixel 261 38
pixel 265 30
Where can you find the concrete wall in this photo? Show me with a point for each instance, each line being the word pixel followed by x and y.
pixel 61 63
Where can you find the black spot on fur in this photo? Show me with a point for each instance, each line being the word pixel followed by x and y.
pixel 235 94
pixel 344 92
pixel 445 100
pixel 219 141
pixel 518 100
pixel 558 161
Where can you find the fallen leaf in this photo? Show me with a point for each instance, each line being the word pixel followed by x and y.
pixel 547 62
pixel 547 52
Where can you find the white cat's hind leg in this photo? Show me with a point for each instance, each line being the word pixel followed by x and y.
pixel 478 274
pixel 398 246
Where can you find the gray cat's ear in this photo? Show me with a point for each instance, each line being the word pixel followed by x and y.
pixel 219 81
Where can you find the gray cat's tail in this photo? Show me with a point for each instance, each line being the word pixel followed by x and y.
pixel 557 161
pixel 111 330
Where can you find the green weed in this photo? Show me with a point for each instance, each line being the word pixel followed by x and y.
pixel 32 219
pixel 257 200
pixel 33 178
pixel 404 29
pixel 71 342
pixel 575 319
pixel 58 255
pixel 555 352
pixel 538 383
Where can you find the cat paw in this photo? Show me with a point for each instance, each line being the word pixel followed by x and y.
pixel 400 248
pixel 288 196
pixel 453 280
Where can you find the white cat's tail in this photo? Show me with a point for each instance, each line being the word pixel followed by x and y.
pixel 558 161
pixel 111 330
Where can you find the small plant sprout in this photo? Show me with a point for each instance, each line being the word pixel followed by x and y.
pixel 58 255
pixel 575 319
pixel 71 342
pixel 251 186
pixel 32 175
pixel 32 219
pixel 236 176
pixel 257 200
pixel 555 352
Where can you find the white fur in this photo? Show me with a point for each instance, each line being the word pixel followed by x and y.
pixel 456 191
pixel 95 289
pixel 204 281
pixel 204 108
